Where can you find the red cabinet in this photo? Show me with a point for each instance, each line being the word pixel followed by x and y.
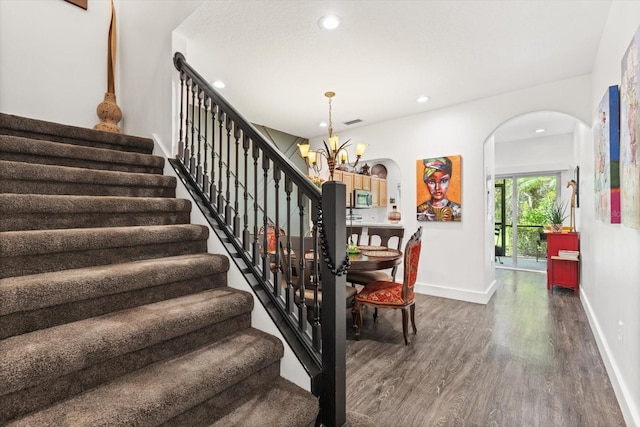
pixel 563 270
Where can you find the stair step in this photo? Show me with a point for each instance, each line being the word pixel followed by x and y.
pixel 40 251
pixel 296 408
pixel 41 356
pixel 161 391
pixel 40 129
pixel 19 149
pixel 26 178
pixel 39 301
pixel 39 212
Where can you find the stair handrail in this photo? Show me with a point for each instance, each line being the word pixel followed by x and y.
pixel 295 314
pixel 285 164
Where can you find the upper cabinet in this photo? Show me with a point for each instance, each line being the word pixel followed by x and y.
pixel 348 179
pixel 383 193
pixel 354 181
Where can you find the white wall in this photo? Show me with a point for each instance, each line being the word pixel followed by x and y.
pixel 554 153
pixel 53 59
pixel 146 57
pixel 542 154
pixel 456 266
pixel 610 252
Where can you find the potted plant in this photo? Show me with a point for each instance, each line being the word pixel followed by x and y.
pixel 556 216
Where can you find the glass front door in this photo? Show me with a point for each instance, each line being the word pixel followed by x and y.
pixel 520 205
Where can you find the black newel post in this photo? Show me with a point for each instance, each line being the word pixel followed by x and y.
pixel 334 328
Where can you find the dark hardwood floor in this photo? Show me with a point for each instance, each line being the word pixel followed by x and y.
pixel 527 358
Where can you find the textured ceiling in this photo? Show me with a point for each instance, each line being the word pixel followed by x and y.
pixel 277 62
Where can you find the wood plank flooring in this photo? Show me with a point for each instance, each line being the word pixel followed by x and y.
pixel 528 358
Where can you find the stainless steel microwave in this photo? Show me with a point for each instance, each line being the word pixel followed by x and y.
pixel 362 199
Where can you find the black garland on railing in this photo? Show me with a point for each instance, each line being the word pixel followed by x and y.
pixel 326 253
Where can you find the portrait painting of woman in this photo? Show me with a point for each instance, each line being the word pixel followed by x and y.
pixel 439 182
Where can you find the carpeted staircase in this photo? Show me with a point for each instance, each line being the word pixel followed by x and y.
pixel 111 310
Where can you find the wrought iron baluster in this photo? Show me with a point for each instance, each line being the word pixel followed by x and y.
pixel 221 117
pixel 245 234
pixel 200 138
pixel 205 175
pixel 276 277
pixel 182 101
pixel 290 292
pixel 302 306
pixel 192 159
pixel 265 218
pixel 187 151
pixel 227 194
pixel 212 191
pixel 316 327
pixel 236 203
pixel 256 244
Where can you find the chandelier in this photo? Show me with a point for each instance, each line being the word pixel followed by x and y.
pixel 333 152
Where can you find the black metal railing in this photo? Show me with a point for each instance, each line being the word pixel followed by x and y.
pixel 263 203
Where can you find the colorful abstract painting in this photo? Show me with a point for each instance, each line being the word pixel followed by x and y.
pixel 629 131
pixel 439 189
pixel 606 135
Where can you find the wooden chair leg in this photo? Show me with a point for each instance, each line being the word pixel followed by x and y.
pixel 357 324
pixel 413 318
pixel 405 325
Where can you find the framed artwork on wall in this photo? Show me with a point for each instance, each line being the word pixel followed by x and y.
pixel 606 136
pixel 629 123
pixel 439 189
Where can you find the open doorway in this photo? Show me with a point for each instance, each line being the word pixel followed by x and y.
pixel 520 205
pixel 532 156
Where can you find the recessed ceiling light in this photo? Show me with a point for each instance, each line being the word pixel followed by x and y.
pixel 423 98
pixel 219 84
pixel 539 130
pixel 323 124
pixel 330 22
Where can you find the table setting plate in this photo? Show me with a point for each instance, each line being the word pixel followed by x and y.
pixel 381 253
pixel 372 248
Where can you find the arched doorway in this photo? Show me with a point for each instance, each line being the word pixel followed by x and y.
pixel 534 155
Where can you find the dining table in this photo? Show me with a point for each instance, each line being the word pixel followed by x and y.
pixel 370 258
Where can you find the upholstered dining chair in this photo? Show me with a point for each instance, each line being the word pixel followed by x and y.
pixel 390 294
pixel 385 234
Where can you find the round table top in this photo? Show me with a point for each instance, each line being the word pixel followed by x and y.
pixel 375 260
pixel 368 260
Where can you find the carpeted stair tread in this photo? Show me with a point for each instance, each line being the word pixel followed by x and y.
pixel 295 408
pixel 40 129
pixel 39 251
pixel 25 293
pixel 40 211
pixel 35 242
pixel 40 356
pixel 15 148
pixel 163 390
pixel 24 178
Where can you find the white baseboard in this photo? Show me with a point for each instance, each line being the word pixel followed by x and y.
pixel 457 294
pixel 630 410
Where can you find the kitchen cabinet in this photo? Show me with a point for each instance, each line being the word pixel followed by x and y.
pixel 366 182
pixel 375 190
pixel 354 181
pixel 347 179
pixel 357 181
